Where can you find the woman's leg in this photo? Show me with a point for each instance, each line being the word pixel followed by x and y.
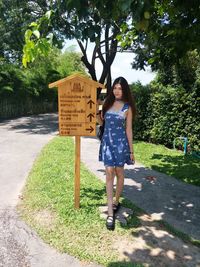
pixel 110 174
pixel 120 183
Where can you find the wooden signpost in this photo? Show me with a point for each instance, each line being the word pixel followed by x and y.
pixel 77 114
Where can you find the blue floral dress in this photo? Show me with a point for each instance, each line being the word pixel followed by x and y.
pixel 114 148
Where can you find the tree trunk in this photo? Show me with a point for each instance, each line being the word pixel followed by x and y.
pixel 107 57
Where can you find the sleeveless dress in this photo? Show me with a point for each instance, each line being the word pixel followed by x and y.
pixel 114 148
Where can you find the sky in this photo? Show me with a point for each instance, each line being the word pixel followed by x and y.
pixel 120 67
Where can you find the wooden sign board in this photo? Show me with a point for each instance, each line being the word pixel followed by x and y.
pixel 77 105
pixel 77 115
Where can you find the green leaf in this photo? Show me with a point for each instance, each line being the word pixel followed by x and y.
pixel 146 15
pixel 48 14
pixel 50 37
pixel 171 32
pixel 7 88
pixel 36 33
pixel 28 34
pixel 125 4
pixel 24 61
pixel 33 24
pixel 151 60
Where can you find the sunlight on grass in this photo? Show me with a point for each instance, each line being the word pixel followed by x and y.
pixel 48 206
pixel 168 161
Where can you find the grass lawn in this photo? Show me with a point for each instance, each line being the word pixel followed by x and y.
pixel 169 161
pixel 48 204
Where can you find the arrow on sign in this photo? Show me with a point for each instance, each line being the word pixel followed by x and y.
pixel 91 129
pixel 90 116
pixel 90 102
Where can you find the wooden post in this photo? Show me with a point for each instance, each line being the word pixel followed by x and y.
pixel 77 172
pixel 77 115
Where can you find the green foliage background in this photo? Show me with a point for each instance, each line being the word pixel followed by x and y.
pixel 165 112
pixel 25 91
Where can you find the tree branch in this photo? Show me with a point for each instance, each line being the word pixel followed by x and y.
pixel 107 42
pixel 110 56
pixel 94 55
pixel 85 61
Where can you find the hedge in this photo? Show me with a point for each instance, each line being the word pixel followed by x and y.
pixel 166 112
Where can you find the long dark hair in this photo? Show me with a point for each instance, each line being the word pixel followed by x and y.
pixel 126 96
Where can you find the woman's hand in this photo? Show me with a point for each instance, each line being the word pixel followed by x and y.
pixel 132 157
pixel 99 103
pixel 99 113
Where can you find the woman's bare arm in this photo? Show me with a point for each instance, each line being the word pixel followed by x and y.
pixel 99 113
pixel 129 131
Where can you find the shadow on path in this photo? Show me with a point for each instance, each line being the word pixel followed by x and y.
pixel 165 197
pixel 36 124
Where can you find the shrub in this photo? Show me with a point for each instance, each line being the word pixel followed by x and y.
pixel 166 112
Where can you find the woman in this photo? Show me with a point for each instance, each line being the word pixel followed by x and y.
pixel 116 147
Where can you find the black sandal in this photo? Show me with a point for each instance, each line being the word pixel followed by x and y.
pixel 116 207
pixel 110 222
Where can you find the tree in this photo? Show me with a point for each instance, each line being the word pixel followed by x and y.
pixel 158 32
pixel 70 62
pixel 15 81
pixel 164 33
pixel 96 21
pixel 184 73
pixel 15 17
pixel 86 21
pixel 25 91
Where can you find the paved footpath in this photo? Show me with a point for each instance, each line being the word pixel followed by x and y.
pixel 21 140
pixel 164 197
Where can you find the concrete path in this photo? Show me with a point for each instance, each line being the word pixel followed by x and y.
pixel 21 140
pixel 164 197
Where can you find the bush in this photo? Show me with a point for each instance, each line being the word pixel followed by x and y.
pixel 25 91
pixel 166 112
pixel 142 96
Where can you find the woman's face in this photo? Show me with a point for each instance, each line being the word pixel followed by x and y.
pixel 117 91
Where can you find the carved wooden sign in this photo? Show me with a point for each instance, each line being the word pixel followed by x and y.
pixel 77 115
pixel 77 105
